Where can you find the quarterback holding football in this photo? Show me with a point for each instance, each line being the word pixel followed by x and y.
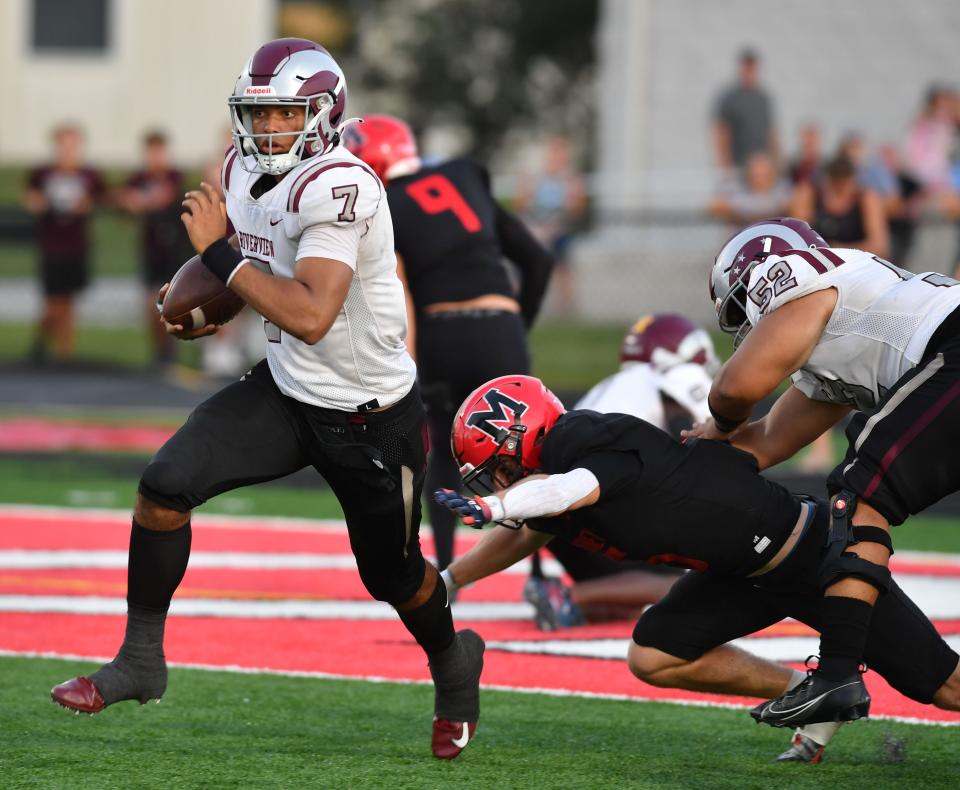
pixel 314 256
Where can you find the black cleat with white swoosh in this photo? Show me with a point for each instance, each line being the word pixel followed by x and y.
pixel 816 699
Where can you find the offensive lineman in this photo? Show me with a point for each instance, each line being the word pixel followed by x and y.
pixel 855 333
pixel 615 485
pixel 337 390
pixel 468 321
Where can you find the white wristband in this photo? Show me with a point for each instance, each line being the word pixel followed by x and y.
pixel 496 508
pixel 235 270
pixel 448 580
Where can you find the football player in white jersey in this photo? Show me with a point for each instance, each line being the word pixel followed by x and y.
pixel 314 255
pixel 666 367
pixel 856 334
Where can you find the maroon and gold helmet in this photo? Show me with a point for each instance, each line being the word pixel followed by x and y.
pixel 665 340
pixel 730 275
pixel 502 424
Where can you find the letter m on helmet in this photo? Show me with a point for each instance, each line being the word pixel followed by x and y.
pixel 494 421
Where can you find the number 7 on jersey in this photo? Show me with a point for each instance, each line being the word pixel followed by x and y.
pixel 348 194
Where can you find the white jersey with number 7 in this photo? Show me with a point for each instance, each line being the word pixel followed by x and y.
pixel 329 206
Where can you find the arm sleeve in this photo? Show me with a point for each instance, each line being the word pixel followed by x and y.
pixel 337 242
pixel 531 257
pixel 543 497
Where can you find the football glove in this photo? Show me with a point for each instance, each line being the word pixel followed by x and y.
pixel 473 512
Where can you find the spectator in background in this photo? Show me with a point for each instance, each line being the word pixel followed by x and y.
pixel 930 140
pixel 760 194
pixel 61 195
pixel 841 210
pixel 901 195
pixel 552 204
pixel 743 118
pixel 154 194
pixel 806 166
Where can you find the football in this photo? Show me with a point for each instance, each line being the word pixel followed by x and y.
pixel 197 298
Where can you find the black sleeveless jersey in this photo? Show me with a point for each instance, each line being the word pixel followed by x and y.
pixel 453 237
pixel 698 505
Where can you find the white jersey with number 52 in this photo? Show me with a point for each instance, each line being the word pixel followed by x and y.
pixel 329 206
pixel 880 326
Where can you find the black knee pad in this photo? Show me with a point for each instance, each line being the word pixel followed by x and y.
pixel 395 583
pixel 166 484
pixel 838 563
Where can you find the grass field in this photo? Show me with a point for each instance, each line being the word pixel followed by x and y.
pixel 224 730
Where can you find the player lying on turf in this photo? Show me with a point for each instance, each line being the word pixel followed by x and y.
pixel 616 485
pixel 666 364
pixel 337 390
pixel 858 334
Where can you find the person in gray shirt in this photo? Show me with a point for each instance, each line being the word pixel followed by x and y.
pixel 743 118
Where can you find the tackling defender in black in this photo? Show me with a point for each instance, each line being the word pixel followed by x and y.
pixel 470 318
pixel 616 485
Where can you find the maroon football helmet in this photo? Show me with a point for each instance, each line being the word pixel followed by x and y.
pixel 386 144
pixel 730 275
pixel 288 72
pixel 666 340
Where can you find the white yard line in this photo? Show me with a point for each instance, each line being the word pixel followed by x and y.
pixel 284 609
pixel 41 559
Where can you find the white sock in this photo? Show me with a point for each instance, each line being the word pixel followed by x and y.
pixel 820 733
pixel 796 679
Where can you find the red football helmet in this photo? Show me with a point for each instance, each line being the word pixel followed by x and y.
pixel 498 431
pixel 730 275
pixel 386 144
pixel 666 340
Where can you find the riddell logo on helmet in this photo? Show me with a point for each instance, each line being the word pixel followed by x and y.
pixel 260 90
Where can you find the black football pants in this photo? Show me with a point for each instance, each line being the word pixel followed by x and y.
pixel 456 353
pixel 374 462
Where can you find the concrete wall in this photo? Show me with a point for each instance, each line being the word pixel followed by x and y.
pixel 171 65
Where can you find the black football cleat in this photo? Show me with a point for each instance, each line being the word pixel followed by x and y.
pixel 816 699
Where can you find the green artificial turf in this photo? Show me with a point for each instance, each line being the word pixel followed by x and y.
pixel 225 730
